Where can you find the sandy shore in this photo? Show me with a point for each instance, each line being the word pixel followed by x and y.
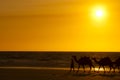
pixel 53 74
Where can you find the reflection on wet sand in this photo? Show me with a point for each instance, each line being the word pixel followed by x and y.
pixel 55 68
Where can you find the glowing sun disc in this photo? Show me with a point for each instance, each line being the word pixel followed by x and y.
pixel 99 13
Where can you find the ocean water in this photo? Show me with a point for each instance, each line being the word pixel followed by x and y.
pixel 48 59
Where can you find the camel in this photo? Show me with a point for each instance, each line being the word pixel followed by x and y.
pixel 117 64
pixel 83 61
pixel 106 61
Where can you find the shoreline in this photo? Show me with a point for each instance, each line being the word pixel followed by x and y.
pixel 53 68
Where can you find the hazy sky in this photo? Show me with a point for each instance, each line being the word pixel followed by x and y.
pixel 59 25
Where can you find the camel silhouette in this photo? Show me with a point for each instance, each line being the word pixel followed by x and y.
pixel 106 61
pixel 117 64
pixel 83 61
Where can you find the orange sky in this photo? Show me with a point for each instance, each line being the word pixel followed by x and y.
pixel 59 25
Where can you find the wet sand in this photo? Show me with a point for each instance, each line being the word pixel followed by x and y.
pixel 34 73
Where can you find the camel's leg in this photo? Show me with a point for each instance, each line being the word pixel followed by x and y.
pixel 90 68
pixel 119 69
pixel 73 69
pixel 78 68
pixel 99 68
pixel 84 68
pixel 70 69
pixel 111 66
pixel 110 69
pixel 114 68
pixel 93 67
pixel 104 69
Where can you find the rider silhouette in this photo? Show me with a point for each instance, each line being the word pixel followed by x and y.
pixel 72 65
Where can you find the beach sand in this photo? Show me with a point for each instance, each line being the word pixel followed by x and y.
pixel 53 74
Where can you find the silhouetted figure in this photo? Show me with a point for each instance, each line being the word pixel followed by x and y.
pixel 72 65
pixel 117 64
pixel 83 61
pixel 106 61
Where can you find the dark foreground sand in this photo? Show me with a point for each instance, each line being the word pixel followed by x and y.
pixel 49 74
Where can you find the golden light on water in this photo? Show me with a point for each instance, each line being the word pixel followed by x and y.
pixel 101 69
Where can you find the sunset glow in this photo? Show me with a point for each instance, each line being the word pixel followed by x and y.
pixel 60 25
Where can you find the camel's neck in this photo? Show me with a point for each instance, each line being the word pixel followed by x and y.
pixel 75 59
pixel 96 61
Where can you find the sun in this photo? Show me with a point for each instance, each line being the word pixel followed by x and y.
pixel 99 13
